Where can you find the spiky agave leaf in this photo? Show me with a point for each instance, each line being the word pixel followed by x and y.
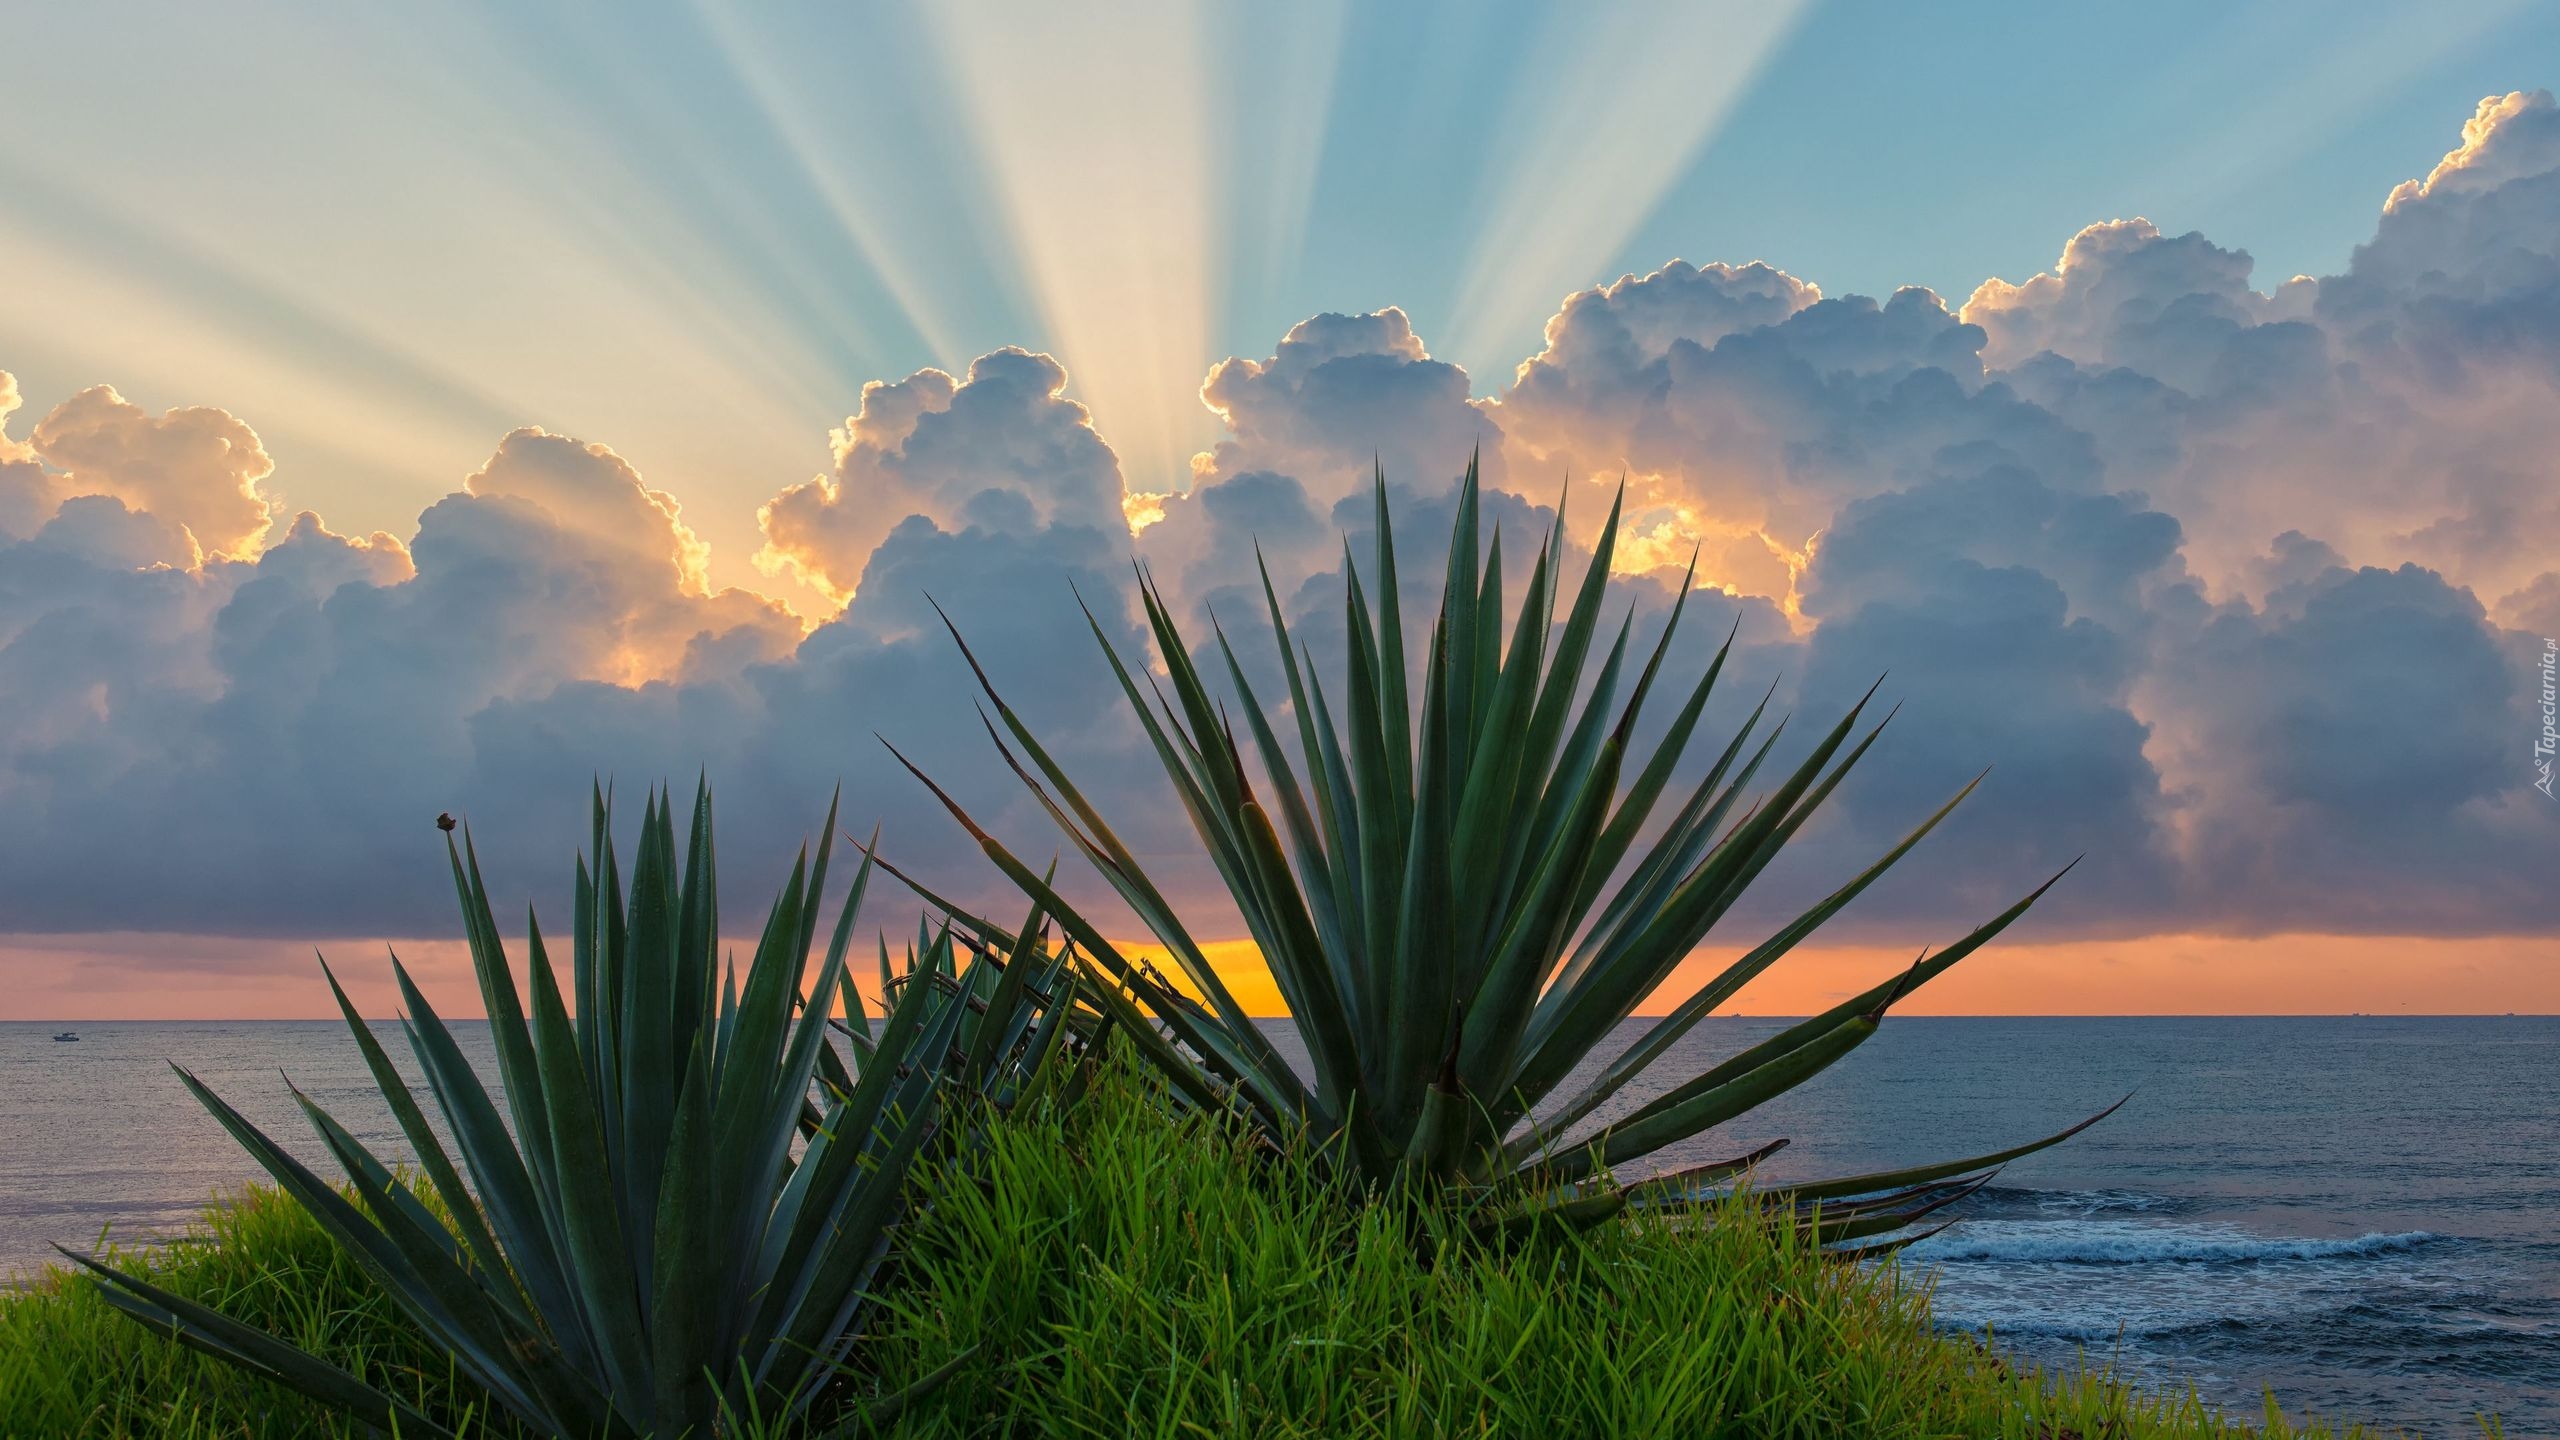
pixel 639 1247
pixel 1460 902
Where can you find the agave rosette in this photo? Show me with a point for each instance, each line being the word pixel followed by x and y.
pixel 1461 905
pixel 677 1202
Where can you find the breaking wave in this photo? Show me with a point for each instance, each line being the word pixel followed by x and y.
pixel 2118 1242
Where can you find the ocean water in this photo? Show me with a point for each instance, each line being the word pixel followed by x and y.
pixel 2361 1214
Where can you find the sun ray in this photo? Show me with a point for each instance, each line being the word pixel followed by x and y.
pixel 1093 127
pixel 1621 111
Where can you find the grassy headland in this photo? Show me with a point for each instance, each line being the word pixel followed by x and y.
pixel 1122 1276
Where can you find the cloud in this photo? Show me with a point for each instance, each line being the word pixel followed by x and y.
pixel 1601 348
pixel 245 745
pixel 2484 223
pixel 196 466
pixel 1747 436
pixel 590 489
pixel 1339 400
pixel 1342 394
pixel 2353 753
pixel 2408 402
pixel 1005 449
pixel 2235 591
pixel 29 492
pixel 2535 609
pixel 2384 696
pixel 2124 294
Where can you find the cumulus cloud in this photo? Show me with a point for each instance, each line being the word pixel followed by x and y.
pixel 2235 590
pixel 590 489
pixel 2484 223
pixel 1004 449
pixel 1341 399
pixel 195 467
pixel 2125 294
pixel 1747 440
pixel 1340 395
pixel 2009 620
pixel 2351 754
pixel 2407 402
pixel 1602 348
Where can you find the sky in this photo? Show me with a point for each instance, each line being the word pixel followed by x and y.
pixel 431 409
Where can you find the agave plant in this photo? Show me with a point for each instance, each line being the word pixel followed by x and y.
pixel 674 1214
pixel 1459 912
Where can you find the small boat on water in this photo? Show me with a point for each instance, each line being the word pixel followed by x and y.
pixel 66 1035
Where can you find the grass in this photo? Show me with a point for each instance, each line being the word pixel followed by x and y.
pixel 1122 1276
pixel 69 1365
pixel 1127 1278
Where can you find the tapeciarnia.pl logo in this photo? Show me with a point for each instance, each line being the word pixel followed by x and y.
pixel 2549 740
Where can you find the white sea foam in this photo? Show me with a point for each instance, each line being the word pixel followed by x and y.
pixel 2127 1242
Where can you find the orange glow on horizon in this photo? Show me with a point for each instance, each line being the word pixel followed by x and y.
pixel 2146 975
pixel 163 977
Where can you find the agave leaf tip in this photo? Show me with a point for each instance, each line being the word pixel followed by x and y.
pixel 1909 981
pixel 948 803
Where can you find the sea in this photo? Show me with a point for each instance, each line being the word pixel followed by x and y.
pixel 2359 1216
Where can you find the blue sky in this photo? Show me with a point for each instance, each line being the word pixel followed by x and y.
pixel 391 232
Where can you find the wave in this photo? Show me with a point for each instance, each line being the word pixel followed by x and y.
pixel 2076 1329
pixel 2372 1336
pixel 2102 1242
pixel 2010 1199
